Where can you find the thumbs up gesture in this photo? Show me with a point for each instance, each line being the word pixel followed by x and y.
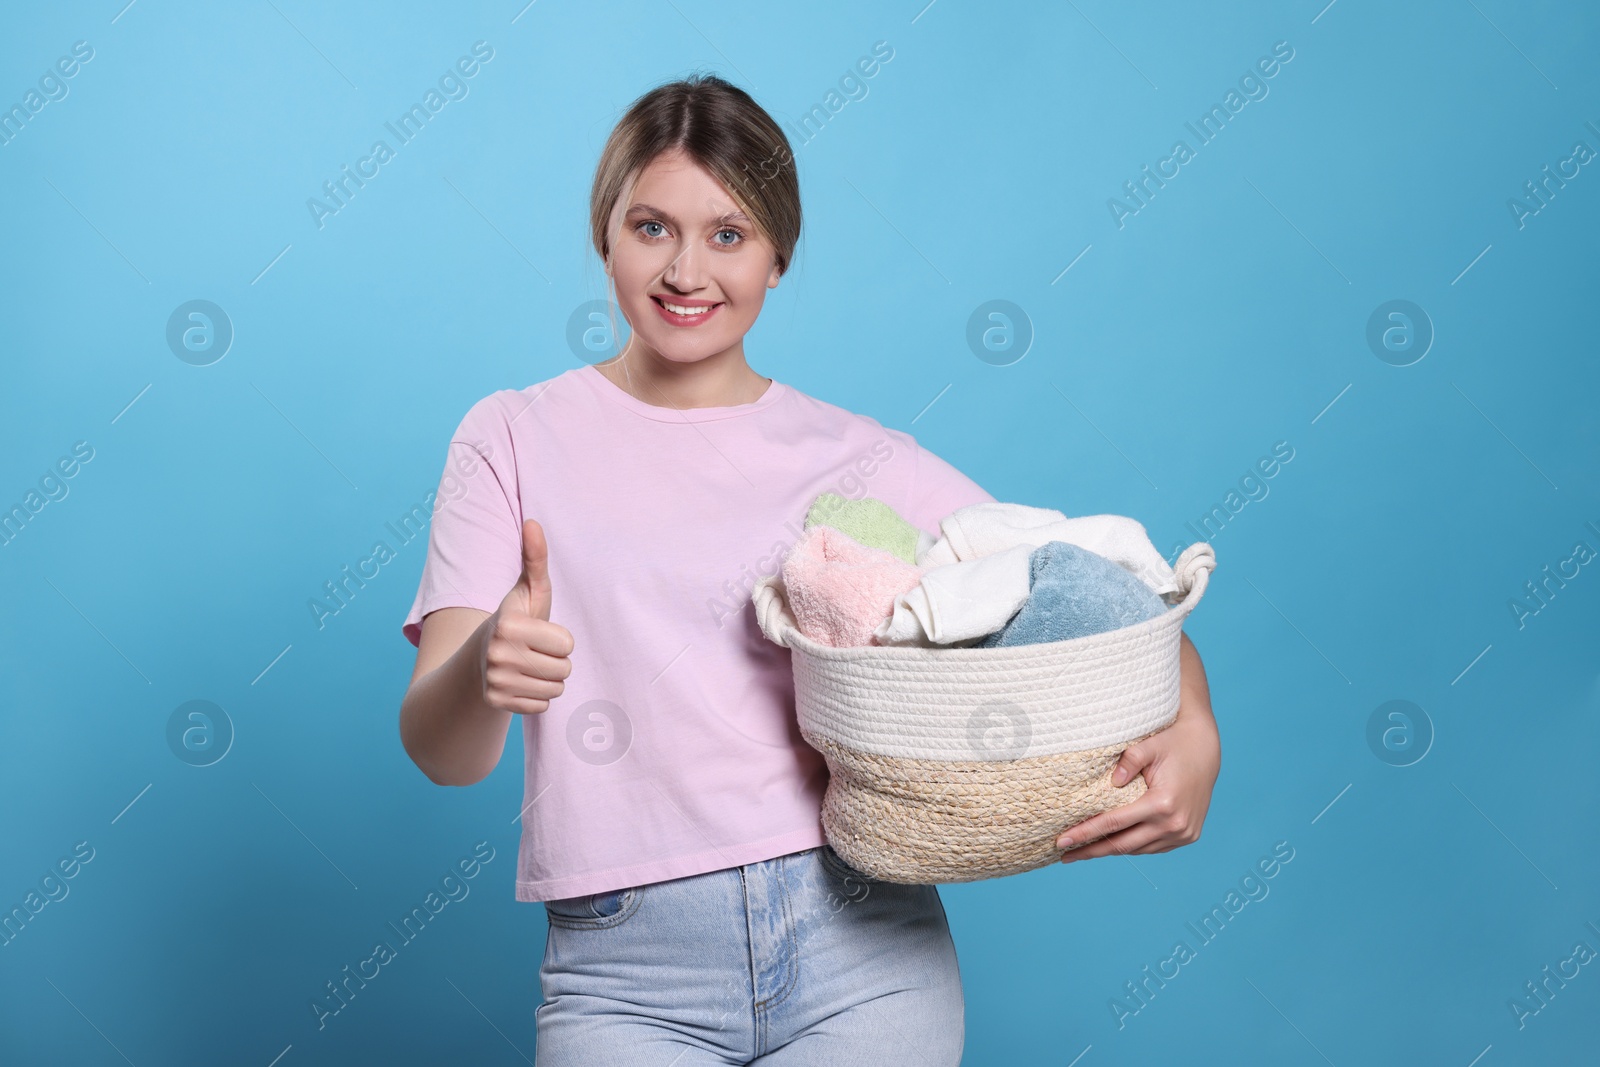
pixel 526 657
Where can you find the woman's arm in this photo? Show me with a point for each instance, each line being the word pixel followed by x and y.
pixel 475 670
pixel 1180 765
pixel 448 729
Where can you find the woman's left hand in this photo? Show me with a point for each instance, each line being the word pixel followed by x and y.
pixel 1180 766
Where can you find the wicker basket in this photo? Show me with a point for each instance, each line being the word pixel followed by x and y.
pixel 958 764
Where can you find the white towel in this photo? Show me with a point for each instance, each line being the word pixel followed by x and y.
pixel 980 530
pixel 962 601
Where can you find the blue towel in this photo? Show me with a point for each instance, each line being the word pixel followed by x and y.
pixel 1074 592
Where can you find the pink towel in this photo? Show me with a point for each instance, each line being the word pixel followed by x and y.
pixel 839 589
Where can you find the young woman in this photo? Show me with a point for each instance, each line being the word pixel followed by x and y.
pixel 671 818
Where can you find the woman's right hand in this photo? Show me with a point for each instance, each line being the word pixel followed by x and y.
pixel 526 656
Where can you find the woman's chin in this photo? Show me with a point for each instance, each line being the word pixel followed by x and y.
pixel 687 353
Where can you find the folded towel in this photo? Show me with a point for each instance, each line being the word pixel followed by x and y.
pixel 1076 592
pixel 960 602
pixel 868 520
pixel 979 530
pixel 839 589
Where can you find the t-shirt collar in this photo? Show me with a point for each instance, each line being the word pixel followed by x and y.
pixel 601 384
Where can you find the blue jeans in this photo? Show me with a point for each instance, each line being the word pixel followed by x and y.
pixel 792 961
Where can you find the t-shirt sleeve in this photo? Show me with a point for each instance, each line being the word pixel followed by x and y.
pixel 937 489
pixel 475 532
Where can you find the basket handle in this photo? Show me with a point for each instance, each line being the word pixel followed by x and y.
pixel 1192 572
pixel 772 612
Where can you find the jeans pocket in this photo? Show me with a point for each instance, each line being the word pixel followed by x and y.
pixel 594 911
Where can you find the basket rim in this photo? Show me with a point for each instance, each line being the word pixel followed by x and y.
pixel 1204 562
pixel 914 653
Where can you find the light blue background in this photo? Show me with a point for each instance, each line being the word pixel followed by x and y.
pixel 1229 314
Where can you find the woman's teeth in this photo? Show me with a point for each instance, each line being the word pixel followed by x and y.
pixel 680 310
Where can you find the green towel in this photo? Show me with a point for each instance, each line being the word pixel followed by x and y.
pixel 869 521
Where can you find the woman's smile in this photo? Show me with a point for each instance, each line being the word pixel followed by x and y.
pixel 677 314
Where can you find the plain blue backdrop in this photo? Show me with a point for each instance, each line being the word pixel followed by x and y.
pixel 1443 856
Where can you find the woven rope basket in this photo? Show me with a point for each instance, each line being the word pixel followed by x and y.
pixel 959 764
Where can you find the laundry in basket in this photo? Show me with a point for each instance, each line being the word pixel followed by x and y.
pixel 957 764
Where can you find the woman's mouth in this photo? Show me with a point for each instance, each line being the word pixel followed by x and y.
pixel 681 314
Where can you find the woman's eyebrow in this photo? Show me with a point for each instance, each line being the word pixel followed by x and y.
pixel 646 209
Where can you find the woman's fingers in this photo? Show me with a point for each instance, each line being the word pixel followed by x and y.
pixel 513 683
pixel 1135 758
pixel 1109 822
pixel 508 655
pixel 525 705
pixel 525 667
pixel 536 636
pixel 1123 843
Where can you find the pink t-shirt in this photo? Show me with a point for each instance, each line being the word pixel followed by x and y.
pixel 673 749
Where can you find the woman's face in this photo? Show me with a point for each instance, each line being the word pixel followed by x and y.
pixel 683 241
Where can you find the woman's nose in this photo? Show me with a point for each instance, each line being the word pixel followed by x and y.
pixel 685 271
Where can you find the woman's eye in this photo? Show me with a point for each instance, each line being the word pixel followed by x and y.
pixel 650 222
pixel 733 231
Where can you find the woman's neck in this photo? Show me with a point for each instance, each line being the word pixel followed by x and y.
pixel 707 383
